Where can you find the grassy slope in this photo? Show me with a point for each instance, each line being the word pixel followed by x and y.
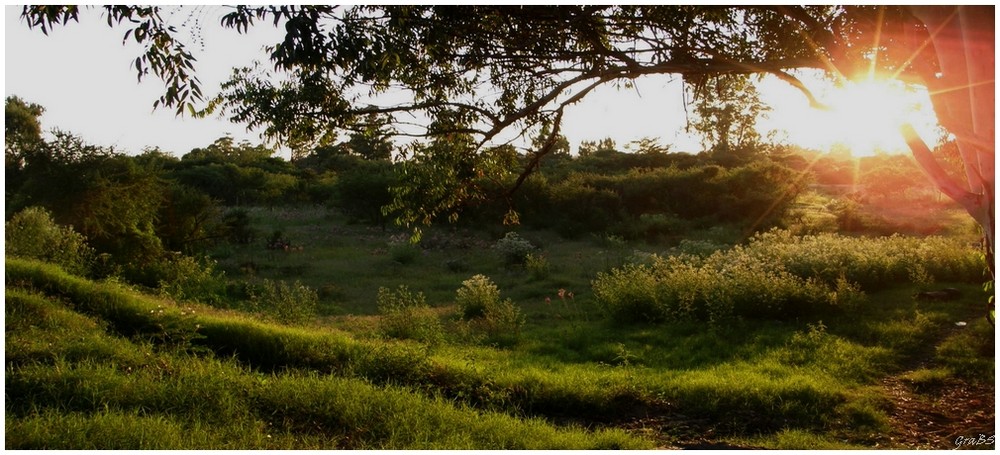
pixel 75 380
pixel 782 384
pixel 795 381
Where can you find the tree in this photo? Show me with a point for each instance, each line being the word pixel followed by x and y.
pixel 22 136
pixel 506 69
pixel 960 78
pixel 105 196
pixel 223 150
pixel 726 119
pixel 22 130
pixel 374 142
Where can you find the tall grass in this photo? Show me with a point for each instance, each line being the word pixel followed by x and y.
pixel 780 276
pixel 872 262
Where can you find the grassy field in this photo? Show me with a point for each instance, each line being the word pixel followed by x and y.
pixel 98 365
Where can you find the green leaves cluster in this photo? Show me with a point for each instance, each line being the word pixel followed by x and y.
pixel 32 233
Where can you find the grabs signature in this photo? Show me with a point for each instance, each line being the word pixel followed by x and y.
pixel 970 441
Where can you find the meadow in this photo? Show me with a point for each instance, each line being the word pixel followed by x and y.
pixel 334 334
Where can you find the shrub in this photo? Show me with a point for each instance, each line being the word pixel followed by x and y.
pixel 475 295
pixel 513 249
pixel 778 275
pixel 724 285
pixel 285 302
pixel 502 323
pixel 406 315
pixel 873 263
pixel 537 266
pixel 32 233
pixel 479 303
pixel 186 278
pixel 628 294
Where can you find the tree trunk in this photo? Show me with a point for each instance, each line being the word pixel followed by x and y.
pixel 963 94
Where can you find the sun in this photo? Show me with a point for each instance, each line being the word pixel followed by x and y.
pixel 863 115
pixel 867 114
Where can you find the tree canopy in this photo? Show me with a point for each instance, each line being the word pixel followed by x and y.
pixel 494 69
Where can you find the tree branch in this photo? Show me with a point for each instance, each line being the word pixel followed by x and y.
pixel 971 202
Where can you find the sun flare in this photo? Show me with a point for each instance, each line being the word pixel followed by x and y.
pixel 869 114
pixel 862 116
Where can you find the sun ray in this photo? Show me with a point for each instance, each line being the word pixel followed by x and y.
pixel 821 54
pixel 923 45
pixel 876 42
pixel 803 174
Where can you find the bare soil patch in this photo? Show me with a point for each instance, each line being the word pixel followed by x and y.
pixel 956 414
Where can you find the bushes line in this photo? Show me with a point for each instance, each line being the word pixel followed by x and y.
pixel 778 276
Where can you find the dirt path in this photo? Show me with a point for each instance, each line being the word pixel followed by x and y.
pixel 956 413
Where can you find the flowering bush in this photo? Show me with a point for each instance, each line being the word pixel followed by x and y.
pixel 777 275
pixel 722 286
pixel 871 262
pixel 475 295
pixel 513 249
pixel 537 266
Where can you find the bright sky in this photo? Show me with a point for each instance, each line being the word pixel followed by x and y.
pixel 81 74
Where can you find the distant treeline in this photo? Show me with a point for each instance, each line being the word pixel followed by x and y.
pixel 135 209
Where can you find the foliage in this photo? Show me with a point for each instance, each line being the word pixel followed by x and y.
pixel 475 295
pixel 22 133
pixel 362 191
pixel 406 315
pixel 873 263
pixel 32 233
pixel 403 251
pixel 718 288
pixel 188 220
pixel 479 303
pixel 727 119
pixel 537 266
pixel 501 323
pixel 238 227
pixel 778 276
pixel 294 303
pixel 187 278
pixel 105 196
pixel 442 56
pixel 513 249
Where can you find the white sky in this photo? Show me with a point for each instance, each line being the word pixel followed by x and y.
pixel 81 74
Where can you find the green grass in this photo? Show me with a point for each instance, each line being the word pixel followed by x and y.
pixel 99 358
pixel 138 395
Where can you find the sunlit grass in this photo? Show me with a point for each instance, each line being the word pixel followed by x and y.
pixel 100 358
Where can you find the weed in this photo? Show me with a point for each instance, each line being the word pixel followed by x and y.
pixel 406 315
pixel 403 251
pixel 479 303
pixel 285 302
pixel 475 295
pixel 537 266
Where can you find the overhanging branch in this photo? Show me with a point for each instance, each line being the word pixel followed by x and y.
pixel 971 202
